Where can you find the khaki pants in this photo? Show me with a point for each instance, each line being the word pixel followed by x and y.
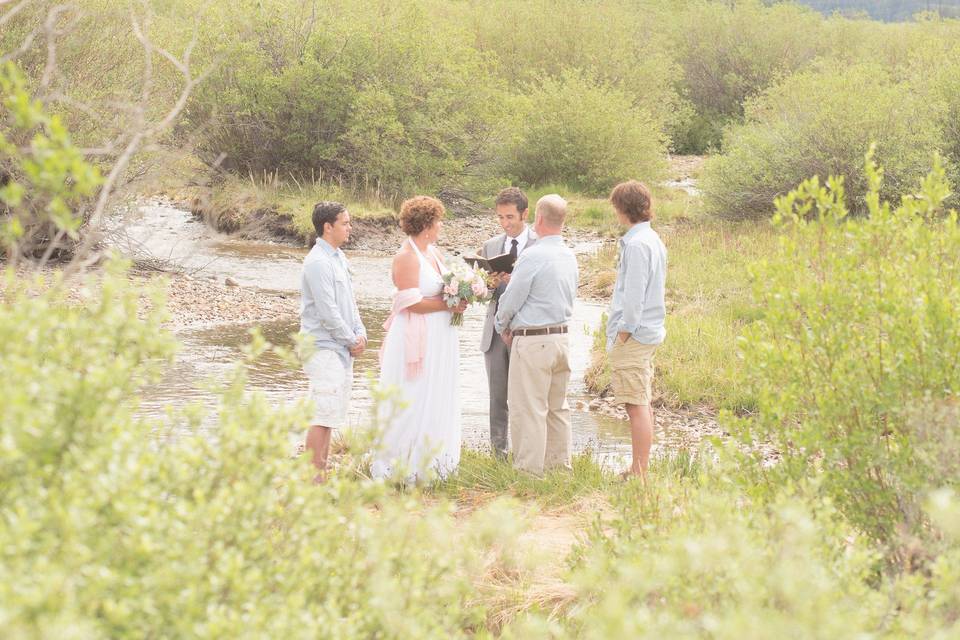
pixel 537 399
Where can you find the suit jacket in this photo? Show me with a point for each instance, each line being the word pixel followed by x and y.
pixel 494 247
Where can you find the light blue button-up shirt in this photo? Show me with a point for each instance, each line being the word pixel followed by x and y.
pixel 541 289
pixel 328 310
pixel 638 306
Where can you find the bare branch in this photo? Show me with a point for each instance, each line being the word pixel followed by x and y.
pixel 141 134
pixel 17 8
pixel 27 42
pixel 51 32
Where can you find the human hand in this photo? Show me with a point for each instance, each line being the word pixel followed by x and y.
pixel 507 337
pixel 622 337
pixel 460 308
pixel 357 349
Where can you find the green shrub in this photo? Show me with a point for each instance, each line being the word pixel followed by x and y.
pixel 116 526
pixel 935 72
pixel 616 41
pixel 43 175
pixel 821 123
pixel 691 557
pixel 376 95
pixel 853 357
pixel 583 132
pixel 729 52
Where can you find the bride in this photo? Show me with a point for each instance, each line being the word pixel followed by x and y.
pixel 420 357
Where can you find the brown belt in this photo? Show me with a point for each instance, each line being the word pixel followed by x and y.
pixel 545 331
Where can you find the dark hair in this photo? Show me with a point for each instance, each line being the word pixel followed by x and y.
pixel 512 195
pixel 418 213
pixel 326 212
pixel 632 199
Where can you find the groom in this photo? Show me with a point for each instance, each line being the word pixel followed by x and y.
pixel 511 206
pixel 534 318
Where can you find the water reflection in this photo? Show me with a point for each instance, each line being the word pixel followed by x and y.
pixel 207 355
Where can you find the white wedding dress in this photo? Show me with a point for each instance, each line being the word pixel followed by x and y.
pixel 423 437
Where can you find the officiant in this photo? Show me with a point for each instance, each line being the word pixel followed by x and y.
pixel 511 207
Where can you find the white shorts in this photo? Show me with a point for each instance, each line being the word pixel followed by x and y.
pixel 330 383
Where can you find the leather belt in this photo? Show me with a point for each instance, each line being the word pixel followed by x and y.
pixel 544 331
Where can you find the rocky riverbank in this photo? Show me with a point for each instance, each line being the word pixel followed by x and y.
pixel 196 302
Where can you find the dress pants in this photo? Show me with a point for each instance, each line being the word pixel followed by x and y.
pixel 497 360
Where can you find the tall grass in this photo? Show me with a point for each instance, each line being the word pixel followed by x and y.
pixel 234 202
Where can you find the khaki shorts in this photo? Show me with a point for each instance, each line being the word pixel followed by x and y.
pixel 330 383
pixel 631 372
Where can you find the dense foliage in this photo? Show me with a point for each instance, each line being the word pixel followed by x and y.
pixel 821 122
pixel 854 358
pixel 393 97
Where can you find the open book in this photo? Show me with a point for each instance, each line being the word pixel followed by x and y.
pixel 497 264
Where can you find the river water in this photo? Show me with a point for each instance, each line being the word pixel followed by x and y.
pixel 166 232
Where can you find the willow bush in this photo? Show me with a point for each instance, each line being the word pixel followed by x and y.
pixel 853 360
pixel 820 123
pixel 381 95
pixel 584 132
pixel 730 52
pixel 117 526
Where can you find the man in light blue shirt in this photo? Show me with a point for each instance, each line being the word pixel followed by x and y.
pixel 636 319
pixel 329 315
pixel 532 318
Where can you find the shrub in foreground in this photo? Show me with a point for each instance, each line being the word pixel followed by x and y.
pixel 117 527
pixel 853 360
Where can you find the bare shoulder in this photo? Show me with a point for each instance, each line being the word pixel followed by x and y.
pixel 406 269
pixel 404 258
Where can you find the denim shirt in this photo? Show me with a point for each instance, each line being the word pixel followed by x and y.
pixel 328 311
pixel 638 305
pixel 541 289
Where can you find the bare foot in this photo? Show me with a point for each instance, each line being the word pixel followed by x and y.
pixel 634 472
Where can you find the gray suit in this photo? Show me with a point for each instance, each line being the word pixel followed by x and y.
pixel 496 355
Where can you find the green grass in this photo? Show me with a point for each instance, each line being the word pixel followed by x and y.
pixel 481 476
pixel 596 213
pixel 291 198
pixel 481 473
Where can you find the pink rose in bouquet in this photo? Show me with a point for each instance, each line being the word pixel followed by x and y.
pixel 462 283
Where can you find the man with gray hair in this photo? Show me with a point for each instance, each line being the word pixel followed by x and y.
pixel 533 319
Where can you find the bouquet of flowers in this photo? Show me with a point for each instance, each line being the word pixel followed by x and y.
pixel 462 283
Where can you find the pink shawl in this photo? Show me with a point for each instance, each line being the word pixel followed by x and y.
pixel 415 332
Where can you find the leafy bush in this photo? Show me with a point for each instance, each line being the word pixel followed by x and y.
pixel 821 123
pixel 377 95
pixel 583 132
pixel 853 358
pixel 935 72
pixel 532 39
pixel 44 178
pixel 115 526
pixel 693 557
pixel 729 52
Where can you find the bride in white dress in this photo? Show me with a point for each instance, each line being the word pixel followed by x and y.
pixel 420 358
